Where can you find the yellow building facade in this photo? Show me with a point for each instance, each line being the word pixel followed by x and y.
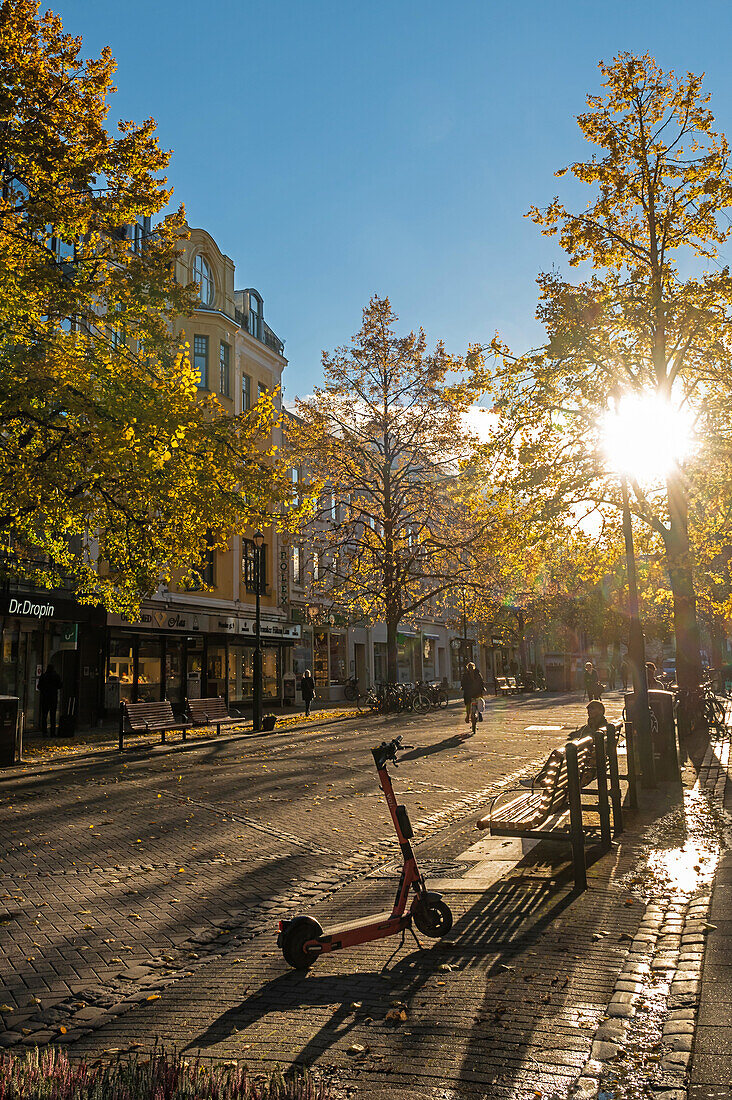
pixel 192 643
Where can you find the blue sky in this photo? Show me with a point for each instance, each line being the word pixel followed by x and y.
pixel 337 149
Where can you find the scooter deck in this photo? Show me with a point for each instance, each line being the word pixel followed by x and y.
pixel 372 920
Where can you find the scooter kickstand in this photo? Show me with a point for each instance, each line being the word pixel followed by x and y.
pixel 396 951
pixel 414 937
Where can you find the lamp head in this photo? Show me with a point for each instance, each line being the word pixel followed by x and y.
pixel 258 539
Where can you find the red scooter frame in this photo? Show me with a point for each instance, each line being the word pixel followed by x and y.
pixel 302 939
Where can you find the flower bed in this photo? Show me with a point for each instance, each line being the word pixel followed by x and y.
pixel 51 1075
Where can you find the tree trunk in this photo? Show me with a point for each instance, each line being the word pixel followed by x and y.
pixel 686 627
pixel 392 651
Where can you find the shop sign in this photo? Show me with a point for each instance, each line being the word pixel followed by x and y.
pixel 69 636
pixel 226 624
pixel 163 619
pixel 30 608
pixel 284 575
pixel 270 629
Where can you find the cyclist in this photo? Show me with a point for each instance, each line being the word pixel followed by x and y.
pixel 473 687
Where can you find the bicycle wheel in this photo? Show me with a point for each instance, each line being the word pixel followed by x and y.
pixel 421 703
pixel 351 692
pixel 441 699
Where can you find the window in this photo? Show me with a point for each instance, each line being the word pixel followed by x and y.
pixel 140 230
pixel 246 393
pixel 203 574
pixel 200 360
pixel 249 569
pixel 334 508
pixel 296 565
pixel 262 390
pixel 224 358
pixel 316 566
pixel 254 320
pixel 203 275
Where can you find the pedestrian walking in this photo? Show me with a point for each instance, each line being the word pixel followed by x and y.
pixel 49 685
pixel 593 687
pixel 473 687
pixel 307 690
pixel 611 676
pixel 624 673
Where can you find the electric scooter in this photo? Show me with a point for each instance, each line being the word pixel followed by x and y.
pixel 303 940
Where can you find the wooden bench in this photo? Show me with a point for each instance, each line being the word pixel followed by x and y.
pixel 149 718
pixel 553 808
pixel 212 712
pixel 506 685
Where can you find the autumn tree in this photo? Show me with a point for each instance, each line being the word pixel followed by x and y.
pixel 380 445
pixel 651 319
pixel 112 467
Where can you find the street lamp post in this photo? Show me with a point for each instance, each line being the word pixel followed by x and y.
pixel 637 654
pixel 257 685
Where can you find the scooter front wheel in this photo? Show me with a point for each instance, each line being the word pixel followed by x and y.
pixel 432 916
pixel 293 938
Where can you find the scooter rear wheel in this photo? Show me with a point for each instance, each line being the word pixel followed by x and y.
pixel 295 936
pixel 432 916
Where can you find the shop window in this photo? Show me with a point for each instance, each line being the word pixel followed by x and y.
pixel 121 668
pixel 337 658
pixel 302 653
pixel 149 670
pixel 320 658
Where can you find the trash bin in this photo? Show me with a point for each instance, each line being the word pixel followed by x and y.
pixel 8 729
pixel 665 749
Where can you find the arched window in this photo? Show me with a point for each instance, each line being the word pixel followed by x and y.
pixel 203 275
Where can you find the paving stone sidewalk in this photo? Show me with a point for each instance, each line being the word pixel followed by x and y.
pixel 170 871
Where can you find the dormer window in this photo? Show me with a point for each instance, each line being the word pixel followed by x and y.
pixel 203 275
pixel 256 312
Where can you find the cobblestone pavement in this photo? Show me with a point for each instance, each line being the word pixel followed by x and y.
pixel 142 896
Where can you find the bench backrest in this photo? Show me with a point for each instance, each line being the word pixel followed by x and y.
pixel 501 681
pixel 205 711
pixel 141 716
pixel 554 785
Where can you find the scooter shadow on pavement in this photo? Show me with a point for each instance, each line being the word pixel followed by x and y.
pixel 487 936
pixel 452 742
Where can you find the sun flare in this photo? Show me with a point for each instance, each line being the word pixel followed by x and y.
pixel 645 436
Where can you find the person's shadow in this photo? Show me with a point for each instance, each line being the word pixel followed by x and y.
pixel 452 742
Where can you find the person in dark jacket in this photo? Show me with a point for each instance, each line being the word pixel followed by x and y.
pixel 307 690
pixel 49 685
pixel 654 684
pixel 593 687
pixel 473 687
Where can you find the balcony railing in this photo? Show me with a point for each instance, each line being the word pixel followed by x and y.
pixel 260 330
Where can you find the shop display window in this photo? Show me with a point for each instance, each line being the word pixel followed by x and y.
pixel 149 669
pixel 121 666
pixel 216 670
pixel 320 658
pixel 337 658
pixel 302 653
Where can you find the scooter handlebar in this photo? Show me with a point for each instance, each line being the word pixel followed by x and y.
pixel 388 750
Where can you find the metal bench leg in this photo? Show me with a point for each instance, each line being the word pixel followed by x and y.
pixel 185 733
pixel 602 799
pixel 615 794
pixel 632 773
pixel 121 726
pixel 162 737
pixel 576 831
